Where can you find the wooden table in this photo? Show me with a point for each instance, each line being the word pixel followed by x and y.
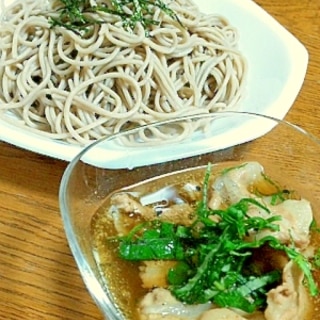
pixel 38 276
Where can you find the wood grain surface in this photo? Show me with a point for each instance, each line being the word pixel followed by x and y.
pixel 38 276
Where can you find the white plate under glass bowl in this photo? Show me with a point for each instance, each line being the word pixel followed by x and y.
pixel 277 64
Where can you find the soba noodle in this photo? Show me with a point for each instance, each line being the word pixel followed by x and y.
pixel 79 88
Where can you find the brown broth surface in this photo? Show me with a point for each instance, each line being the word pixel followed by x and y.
pixel 122 276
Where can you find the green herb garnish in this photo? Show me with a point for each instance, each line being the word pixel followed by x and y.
pixel 79 15
pixel 214 254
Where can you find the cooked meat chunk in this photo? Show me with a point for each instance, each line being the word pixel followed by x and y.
pixel 289 301
pixel 159 304
pixel 171 206
pixel 296 218
pixel 233 185
pixel 236 184
pixel 154 273
pixel 126 211
pixel 182 214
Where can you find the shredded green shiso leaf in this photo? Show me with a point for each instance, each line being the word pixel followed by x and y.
pixel 77 15
pixel 212 257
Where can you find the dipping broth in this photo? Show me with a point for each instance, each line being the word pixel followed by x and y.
pixel 174 198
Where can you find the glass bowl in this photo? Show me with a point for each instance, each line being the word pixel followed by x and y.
pixel 287 152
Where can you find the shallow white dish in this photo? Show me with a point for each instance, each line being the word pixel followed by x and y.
pixel 277 67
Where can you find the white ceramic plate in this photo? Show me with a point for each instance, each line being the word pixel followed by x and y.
pixel 277 66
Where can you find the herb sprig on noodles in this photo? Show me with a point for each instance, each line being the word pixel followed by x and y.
pixel 76 15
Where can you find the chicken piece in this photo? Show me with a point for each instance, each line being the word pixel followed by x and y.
pixel 126 211
pixel 191 191
pixel 290 300
pixel 182 214
pixel 154 273
pixel 221 314
pixel 169 205
pixel 296 218
pixel 234 185
pixel 160 304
